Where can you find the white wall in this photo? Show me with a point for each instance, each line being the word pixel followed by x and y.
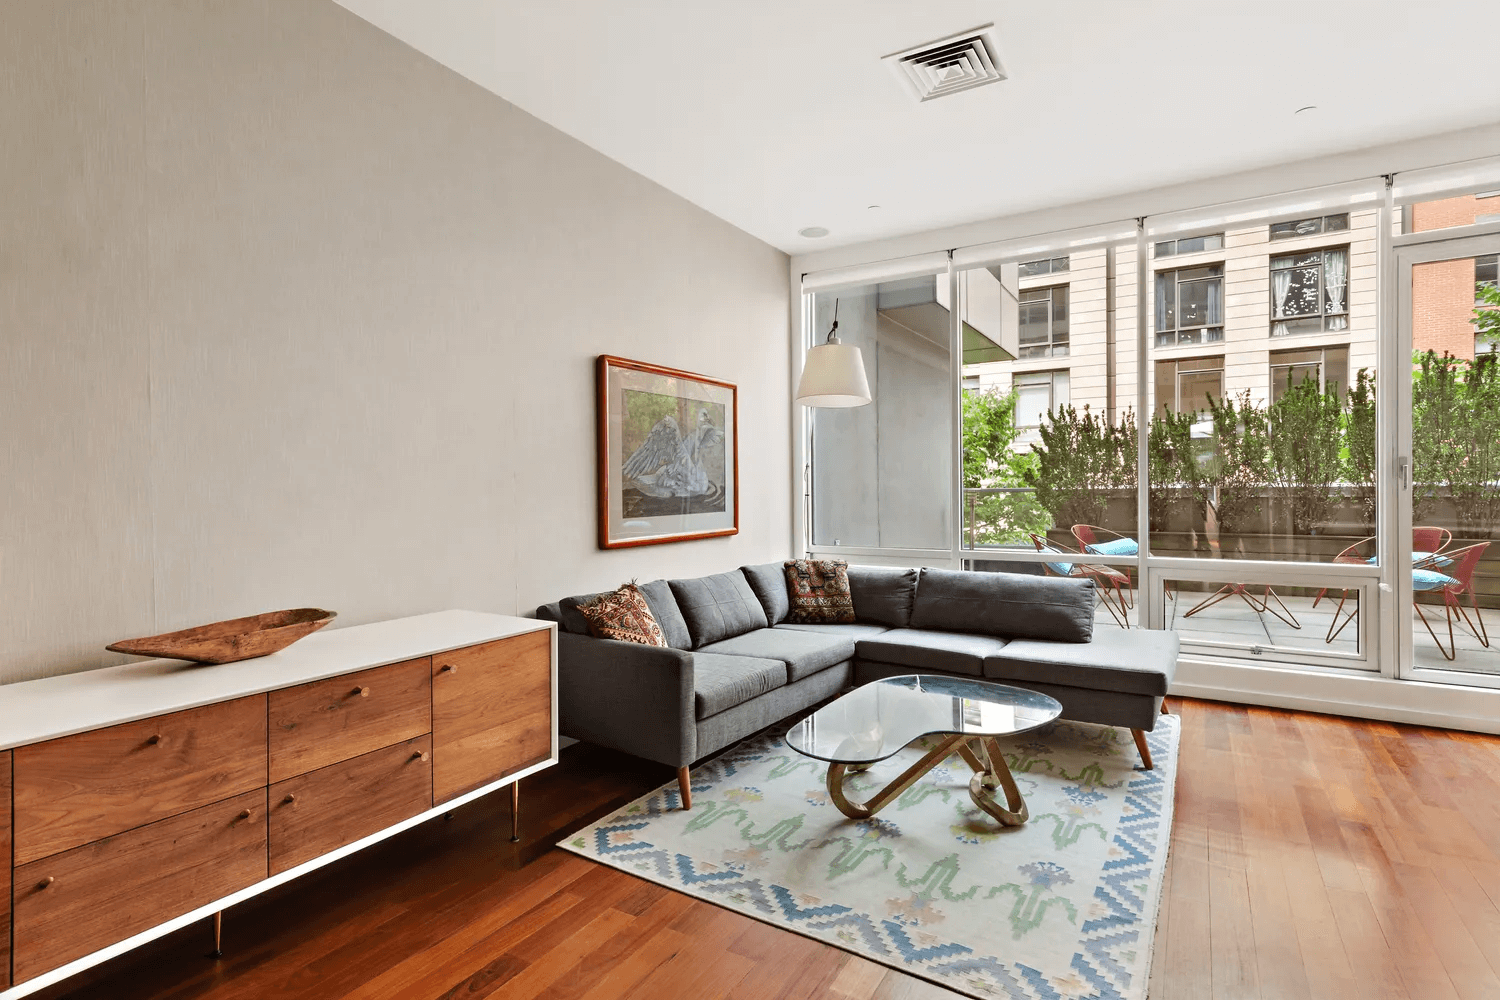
pixel 292 315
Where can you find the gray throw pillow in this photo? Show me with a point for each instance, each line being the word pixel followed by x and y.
pixel 768 580
pixel 1009 605
pixel 718 607
pixel 883 595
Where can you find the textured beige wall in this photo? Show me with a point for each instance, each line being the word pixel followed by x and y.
pixel 292 315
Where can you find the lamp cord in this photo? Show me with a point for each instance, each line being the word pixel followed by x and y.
pixel 833 330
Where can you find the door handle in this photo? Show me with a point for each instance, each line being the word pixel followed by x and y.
pixel 1403 472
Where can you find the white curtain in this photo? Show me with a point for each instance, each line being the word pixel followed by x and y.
pixel 1335 283
pixel 1281 284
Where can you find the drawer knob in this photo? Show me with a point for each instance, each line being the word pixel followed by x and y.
pixel 360 692
pixel 244 814
pixel 154 739
pixel 447 668
pixel 45 882
pixel 419 755
pixel 290 798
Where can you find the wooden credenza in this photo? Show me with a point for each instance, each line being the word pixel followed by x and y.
pixel 136 799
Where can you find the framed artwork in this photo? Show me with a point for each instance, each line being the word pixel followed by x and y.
pixel 668 455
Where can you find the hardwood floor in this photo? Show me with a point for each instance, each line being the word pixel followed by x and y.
pixel 1312 857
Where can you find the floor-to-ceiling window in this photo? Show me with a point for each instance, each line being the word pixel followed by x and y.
pixel 1227 449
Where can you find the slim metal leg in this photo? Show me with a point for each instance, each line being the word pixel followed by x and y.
pixel 515 812
pixel 218 951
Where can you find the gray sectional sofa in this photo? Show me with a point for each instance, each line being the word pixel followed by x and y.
pixel 735 665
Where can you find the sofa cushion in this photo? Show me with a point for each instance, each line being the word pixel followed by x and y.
pixel 625 616
pixel 1129 661
pixel 768 580
pixel 667 614
pixel 950 652
pixel 1013 605
pixel 804 653
pixel 883 595
pixel 855 632
pixel 818 590
pixel 718 607
pixel 721 682
pixel 565 613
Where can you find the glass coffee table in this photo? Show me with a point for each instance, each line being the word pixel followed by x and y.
pixel 876 720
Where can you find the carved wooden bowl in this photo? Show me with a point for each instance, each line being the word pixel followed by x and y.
pixel 228 641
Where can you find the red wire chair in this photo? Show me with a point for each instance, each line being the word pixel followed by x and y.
pixel 1119 583
pixel 1427 545
pixel 1088 538
pixel 1454 580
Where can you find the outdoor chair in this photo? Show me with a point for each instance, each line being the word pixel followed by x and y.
pixel 1118 583
pixel 1103 542
pixel 1427 552
pixel 1453 581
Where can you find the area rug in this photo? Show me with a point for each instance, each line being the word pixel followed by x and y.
pixel 1063 908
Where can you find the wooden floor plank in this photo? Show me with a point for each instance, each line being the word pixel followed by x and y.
pixel 1311 857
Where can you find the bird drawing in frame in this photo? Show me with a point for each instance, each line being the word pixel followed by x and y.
pixel 669 463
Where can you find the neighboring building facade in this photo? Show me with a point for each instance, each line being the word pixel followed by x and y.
pixel 1254 309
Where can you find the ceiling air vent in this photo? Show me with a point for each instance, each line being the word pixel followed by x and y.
pixel 959 62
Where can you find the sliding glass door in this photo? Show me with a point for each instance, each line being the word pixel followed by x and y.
pixel 1447 540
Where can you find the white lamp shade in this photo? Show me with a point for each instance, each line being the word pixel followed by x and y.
pixel 834 375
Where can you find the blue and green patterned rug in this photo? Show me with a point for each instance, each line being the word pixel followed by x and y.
pixel 1062 908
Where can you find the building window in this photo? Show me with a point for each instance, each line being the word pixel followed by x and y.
pixel 971 383
pixel 1039 394
pixel 1310 292
pixel 1188 385
pixel 1486 271
pixel 1051 265
pixel 1190 306
pixel 1044 322
pixel 1310 227
pixel 1328 366
pixel 1192 244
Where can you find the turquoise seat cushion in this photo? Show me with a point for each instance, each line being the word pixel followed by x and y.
pixel 1431 579
pixel 1114 547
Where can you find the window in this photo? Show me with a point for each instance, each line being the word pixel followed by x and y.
pixel 971 383
pixel 1038 394
pixel 1044 322
pixel 1185 385
pixel 1309 292
pixel 1190 306
pixel 1051 265
pixel 1486 271
pixel 1310 227
pixel 1328 366
pixel 1193 244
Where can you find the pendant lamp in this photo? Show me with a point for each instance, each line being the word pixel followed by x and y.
pixel 834 373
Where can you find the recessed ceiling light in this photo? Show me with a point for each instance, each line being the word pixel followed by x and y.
pixel 1308 107
pixel 812 233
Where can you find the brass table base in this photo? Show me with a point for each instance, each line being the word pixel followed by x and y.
pixel 983 754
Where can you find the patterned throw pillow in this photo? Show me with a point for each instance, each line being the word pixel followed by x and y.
pixel 623 615
pixel 819 592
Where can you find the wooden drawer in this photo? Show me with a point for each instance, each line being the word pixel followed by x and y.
pixel 312 814
pixel 82 900
pixel 314 725
pixel 491 712
pixel 79 789
pixel 4 869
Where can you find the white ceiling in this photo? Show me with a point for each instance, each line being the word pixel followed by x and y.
pixel 779 114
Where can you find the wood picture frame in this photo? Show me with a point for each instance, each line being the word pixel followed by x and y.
pixel 668 454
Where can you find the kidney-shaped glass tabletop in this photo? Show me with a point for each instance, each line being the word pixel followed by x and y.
pixel 874 721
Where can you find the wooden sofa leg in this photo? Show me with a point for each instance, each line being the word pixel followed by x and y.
pixel 1164 710
pixel 684 786
pixel 1140 744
